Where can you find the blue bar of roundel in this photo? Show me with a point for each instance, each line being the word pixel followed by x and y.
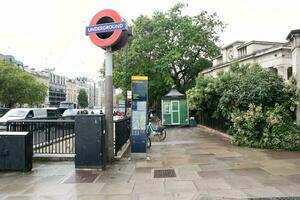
pixel 107 27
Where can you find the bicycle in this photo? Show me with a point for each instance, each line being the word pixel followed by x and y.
pixel 160 131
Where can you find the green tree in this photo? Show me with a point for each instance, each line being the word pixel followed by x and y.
pixel 170 48
pixel 82 98
pixel 19 87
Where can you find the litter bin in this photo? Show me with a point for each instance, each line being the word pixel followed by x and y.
pixel 16 149
pixel 193 123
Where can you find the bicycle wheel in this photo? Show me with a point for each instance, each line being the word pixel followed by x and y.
pixel 163 134
pixel 148 142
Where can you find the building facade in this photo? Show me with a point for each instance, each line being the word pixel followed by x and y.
pixel 61 88
pixel 43 77
pixel 57 89
pixel 71 91
pixel 281 58
pixel 274 56
pixel 10 58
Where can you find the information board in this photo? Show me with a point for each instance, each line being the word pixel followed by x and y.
pixel 139 113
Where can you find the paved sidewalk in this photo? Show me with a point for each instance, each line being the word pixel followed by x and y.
pixel 206 167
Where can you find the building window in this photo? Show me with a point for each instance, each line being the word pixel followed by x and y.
pixel 167 107
pixel 274 70
pixel 289 72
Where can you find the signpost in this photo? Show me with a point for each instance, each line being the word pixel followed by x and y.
pixel 108 31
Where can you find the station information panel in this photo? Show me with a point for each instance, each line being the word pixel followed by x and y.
pixel 139 87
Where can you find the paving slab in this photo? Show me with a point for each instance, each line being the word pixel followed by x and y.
pixel 180 186
pixel 156 196
pixel 88 197
pixel 215 183
pixel 185 196
pixel 263 192
pixel 21 197
pixel 154 187
pixel 225 194
pixel 206 167
pixel 87 189
pixel 117 188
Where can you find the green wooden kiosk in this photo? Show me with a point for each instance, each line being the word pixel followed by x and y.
pixel 174 109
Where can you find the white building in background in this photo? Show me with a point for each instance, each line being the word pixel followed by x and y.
pixel 61 88
pixel 274 56
pixel 101 93
pixel 43 77
pixel 93 90
pixel 282 58
pixel 10 58
pixel 71 91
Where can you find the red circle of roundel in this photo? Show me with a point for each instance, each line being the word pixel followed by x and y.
pixel 116 34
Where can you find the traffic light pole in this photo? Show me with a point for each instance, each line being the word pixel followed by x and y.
pixel 109 138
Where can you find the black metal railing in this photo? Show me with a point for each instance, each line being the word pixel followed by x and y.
pixel 122 133
pixel 49 136
pixel 206 119
pixel 58 136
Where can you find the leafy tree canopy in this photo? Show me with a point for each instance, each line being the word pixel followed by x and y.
pixel 19 87
pixel 169 47
pixel 83 99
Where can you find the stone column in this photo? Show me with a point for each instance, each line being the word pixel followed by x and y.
pixel 282 71
pixel 294 39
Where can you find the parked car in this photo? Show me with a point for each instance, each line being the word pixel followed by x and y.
pixel 95 112
pixel 3 111
pixel 22 113
pixel 52 113
pixel 70 114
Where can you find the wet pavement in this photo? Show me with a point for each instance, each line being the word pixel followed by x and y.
pixel 205 166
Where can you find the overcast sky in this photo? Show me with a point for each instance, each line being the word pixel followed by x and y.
pixel 51 33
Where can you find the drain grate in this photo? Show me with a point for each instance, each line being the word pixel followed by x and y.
pixel 82 177
pixel 164 173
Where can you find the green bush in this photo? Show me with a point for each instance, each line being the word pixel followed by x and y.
pixel 250 84
pixel 259 104
pixel 271 129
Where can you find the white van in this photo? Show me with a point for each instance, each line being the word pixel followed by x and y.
pixel 22 113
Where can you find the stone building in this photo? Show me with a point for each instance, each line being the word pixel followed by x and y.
pixel 71 91
pixel 282 58
pixel 43 77
pixel 57 90
pixel 274 56
pixel 10 58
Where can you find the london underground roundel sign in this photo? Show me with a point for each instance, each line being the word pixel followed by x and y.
pixel 107 29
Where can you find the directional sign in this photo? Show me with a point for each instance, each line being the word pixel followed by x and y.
pixel 107 27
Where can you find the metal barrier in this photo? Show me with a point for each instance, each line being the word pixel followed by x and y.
pixel 122 133
pixel 49 136
pixel 220 124
pixel 58 136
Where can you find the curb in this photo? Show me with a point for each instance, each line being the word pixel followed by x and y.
pixel 216 132
pixel 123 150
pixel 53 157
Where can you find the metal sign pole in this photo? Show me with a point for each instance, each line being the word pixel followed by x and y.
pixel 109 138
pixel 118 38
